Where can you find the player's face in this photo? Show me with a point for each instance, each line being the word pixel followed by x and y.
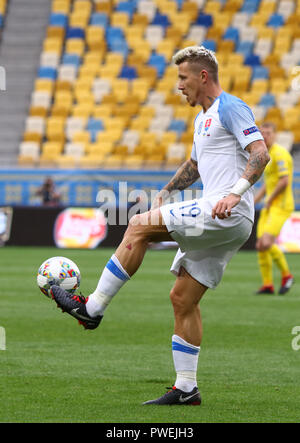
pixel 190 84
pixel 268 135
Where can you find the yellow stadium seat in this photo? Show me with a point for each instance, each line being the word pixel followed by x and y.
pixel 154 161
pixel 26 160
pixel 91 161
pixel 82 110
pixel 120 87
pixel 259 19
pixel 60 6
pixel 38 111
pixel 133 161
pixel 121 150
pixel 103 6
pixel 82 7
pixel 75 46
pixel 166 47
pixel 113 161
pixel 267 6
pixel 278 85
pixel 81 137
pixel 102 110
pixel 190 8
pixel 140 88
pixel 111 136
pixel 63 99
pixel 56 32
pixel 59 111
pixel 55 128
pixel 120 20
pixel 52 148
pixel 95 37
pixel 260 86
pixel 53 44
pixel 212 7
pixel 65 161
pixel 140 123
pixel 78 20
pixel 32 137
pixel 100 148
pixel 291 118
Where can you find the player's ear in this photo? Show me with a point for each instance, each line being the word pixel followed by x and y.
pixel 203 75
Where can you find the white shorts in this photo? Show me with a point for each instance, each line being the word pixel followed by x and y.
pixel 206 244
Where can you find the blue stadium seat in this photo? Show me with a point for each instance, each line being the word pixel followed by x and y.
pixel 204 20
pixel 267 100
pixel 71 59
pixel 209 44
pixel 231 34
pixel 118 45
pixel 276 21
pixel 99 19
pixel 159 62
pixel 161 20
pixel 128 7
pixel 178 126
pixel 260 72
pixel 114 33
pixel 245 48
pixel 252 60
pixel 75 33
pixel 47 72
pixel 128 72
pixel 250 6
pixel 1 20
pixel 93 127
pixel 57 19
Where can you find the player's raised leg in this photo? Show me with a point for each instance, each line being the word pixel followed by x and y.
pixel 142 229
pixel 186 340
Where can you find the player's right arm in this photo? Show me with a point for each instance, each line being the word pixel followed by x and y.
pixel 260 194
pixel 185 176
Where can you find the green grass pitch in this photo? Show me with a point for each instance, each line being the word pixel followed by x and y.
pixel 54 371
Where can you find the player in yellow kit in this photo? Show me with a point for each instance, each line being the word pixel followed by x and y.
pixel 278 206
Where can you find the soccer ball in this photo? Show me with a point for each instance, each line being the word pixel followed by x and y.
pixel 60 270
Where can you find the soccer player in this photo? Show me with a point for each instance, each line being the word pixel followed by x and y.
pixel 229 155
pixel 278 206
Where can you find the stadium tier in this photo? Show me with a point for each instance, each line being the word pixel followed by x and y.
pixel 105 94
pixel 3 7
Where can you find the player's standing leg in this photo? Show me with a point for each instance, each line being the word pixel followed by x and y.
pixel 186 340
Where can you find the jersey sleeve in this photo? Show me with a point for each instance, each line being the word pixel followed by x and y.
pixel 282 164
pixel 238 119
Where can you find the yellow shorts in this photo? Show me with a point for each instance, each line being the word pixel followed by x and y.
pixel 271 221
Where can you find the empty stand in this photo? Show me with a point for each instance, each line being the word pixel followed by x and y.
pixel 105 93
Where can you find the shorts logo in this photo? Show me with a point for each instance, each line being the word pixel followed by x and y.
pixel 250 130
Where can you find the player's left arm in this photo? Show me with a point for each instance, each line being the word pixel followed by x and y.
pixel 258 159
pixel 282 184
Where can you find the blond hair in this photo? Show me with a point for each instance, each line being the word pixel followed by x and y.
pixel 200 58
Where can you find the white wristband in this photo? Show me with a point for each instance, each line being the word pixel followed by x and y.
pixel 241 186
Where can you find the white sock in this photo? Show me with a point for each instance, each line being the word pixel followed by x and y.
pixel 185 357
pixel 112 279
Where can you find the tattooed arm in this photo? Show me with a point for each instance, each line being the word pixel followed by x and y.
pixel 185 176
pixel 259 157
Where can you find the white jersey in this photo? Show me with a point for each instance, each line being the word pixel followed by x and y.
pixel 221 135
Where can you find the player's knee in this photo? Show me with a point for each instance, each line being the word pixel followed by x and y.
pixel 136 230
pixel 178 302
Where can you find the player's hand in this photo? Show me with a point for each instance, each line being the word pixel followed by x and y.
pixel 223 207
